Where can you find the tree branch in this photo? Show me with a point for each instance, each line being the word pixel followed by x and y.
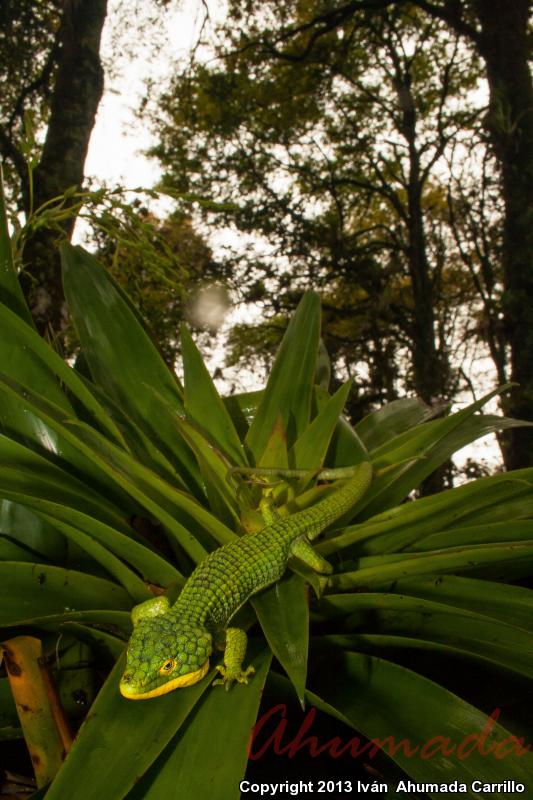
pixel 40 81
pixel 451 14
pixel 11 152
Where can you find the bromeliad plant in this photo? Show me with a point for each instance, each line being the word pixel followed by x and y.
pixel 116 480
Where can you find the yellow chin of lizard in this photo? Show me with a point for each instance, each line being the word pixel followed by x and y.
pixel 131 693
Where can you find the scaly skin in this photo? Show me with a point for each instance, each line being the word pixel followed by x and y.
pixel 170 645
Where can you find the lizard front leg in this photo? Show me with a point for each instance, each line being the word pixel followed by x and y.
pixel 234 653
pixel 301 549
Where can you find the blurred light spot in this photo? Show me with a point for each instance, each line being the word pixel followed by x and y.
pixel 209 308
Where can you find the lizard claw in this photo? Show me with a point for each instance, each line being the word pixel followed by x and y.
pixel 231 675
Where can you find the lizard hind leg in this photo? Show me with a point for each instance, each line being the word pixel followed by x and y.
pixel 302 550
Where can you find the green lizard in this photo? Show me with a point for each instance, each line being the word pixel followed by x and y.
pixel 171 645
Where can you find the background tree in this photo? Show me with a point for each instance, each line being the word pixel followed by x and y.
pixel 258 46
pixel 502 38
pixel 52 69
pixel 333 153
pixel 50 65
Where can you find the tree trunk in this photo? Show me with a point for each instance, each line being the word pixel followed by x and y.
pixel 429 368
pixel 430 377
pixel 503 43
pixel 77 92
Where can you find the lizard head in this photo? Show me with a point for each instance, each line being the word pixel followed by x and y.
pixel 163 654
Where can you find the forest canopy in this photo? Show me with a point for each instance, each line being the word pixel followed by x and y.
pixel 378 151
pixel 383 152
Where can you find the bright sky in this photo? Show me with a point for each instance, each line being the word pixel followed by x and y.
pixel 119 139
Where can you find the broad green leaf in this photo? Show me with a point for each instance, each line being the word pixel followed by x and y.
pixel 241 408
pixel 399 527
pixel 98 639
pixel 213 464
pixel 309 451
pixel 122 358
pixel 214 468
pixel 168 504
pixel 34 476
pixel 428 446
pixel 290 384
pixel 135 440
pixel 10 291
pixel 134 732
pixel 30 590
pixel 35 364
pixel 11 551
pixel 425 436
pixel 20 362
pixel 457 559
pixel 119 621
pixel 132 583
pixel 283 689
pixel 513 604
pixel 27 536
pixel 283 613
pixel 496 500
pixel 473 633
pixel 104 317
pixel 222 720
pixel 149 564
pixel 519 506
pixel 170 420
pixel 131 478
pixel 204 405
pixel 391 644
pixel 275 454
pixel 511 531
pixel 392 419
pixel 346 448
pixel 381 770
pixel 54 442
pixel 323 367
pixel 390 704
pixel 390 488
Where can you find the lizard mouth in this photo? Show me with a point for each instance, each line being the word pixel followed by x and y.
pixel 133 693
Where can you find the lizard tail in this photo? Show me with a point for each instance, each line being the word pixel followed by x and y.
pixel 312 521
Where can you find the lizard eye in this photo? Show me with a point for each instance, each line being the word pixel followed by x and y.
pixel 168 666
